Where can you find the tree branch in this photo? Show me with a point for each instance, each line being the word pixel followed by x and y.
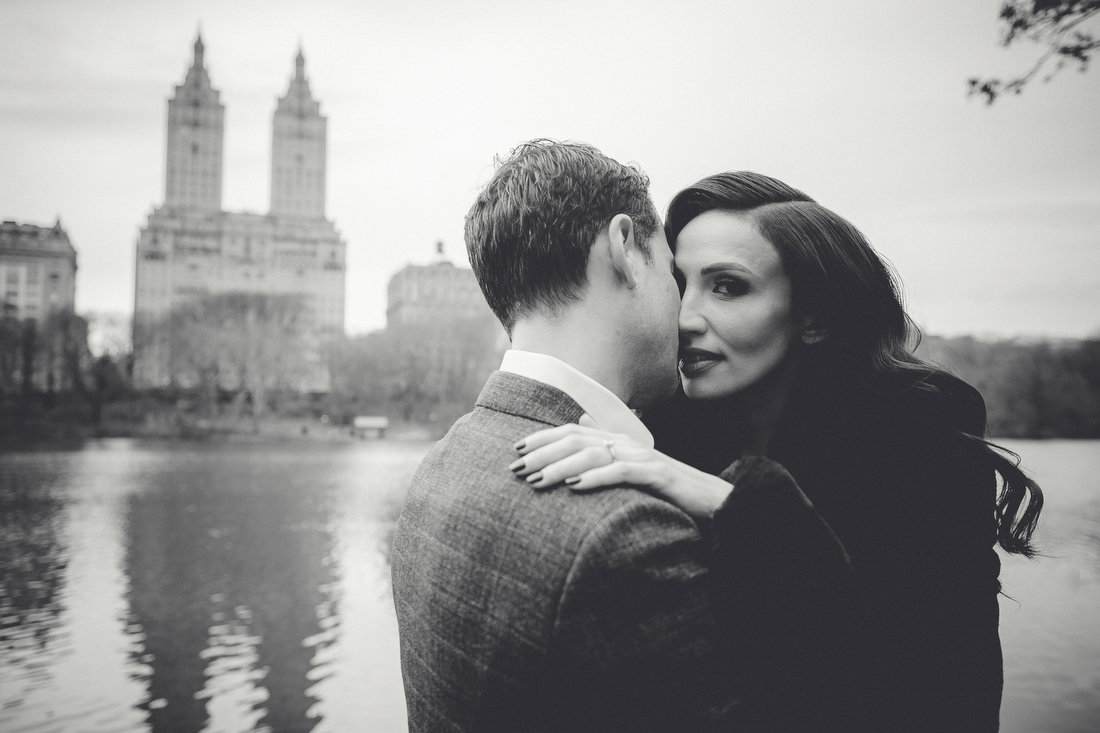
pixel 1047 22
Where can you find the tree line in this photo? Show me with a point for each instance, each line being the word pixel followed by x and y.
pixel 50 381
pixel 1032 389
pixel 236 357
pixel 427 374
pixel 252 356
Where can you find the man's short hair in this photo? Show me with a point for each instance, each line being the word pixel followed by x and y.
pixel 532 226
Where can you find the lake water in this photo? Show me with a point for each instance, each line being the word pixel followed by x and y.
pixel 245 587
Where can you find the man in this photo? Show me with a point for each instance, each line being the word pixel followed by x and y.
pixel 521 610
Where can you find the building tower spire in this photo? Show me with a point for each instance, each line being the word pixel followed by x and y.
pixel 298 150
pixel 195 133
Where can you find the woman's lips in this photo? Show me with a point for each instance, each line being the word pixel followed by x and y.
pixel 696 361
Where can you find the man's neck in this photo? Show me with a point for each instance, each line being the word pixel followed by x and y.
pixel 583 343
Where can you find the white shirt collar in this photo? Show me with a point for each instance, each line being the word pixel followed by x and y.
pixel 600 404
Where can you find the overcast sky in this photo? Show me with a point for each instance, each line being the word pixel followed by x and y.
pixel 990 214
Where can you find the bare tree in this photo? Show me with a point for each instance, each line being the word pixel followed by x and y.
pixel 194 353
pixel 11 350
pixel 265 342
pixel 426 373
pixel 252 342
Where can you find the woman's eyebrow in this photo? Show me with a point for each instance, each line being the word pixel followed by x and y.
pixel 725 267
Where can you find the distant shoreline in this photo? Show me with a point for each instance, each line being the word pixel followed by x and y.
pixel 187 429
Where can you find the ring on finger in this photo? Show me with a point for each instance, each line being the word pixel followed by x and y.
pixel 610 445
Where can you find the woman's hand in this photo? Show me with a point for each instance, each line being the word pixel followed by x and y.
pixel 587 459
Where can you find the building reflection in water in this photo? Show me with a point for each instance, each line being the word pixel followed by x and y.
pixel 196 587
pixel 33 558
pixel 231 593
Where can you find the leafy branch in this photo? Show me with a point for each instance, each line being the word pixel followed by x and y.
pixel 1054 24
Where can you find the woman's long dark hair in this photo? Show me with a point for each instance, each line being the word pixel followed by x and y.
pixel 839 280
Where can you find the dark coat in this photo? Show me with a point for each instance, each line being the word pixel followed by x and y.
pixel 912 500
pixel 524 610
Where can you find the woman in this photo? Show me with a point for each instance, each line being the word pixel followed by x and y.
pixel 795 346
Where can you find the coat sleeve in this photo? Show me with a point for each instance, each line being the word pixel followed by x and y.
pixel 637 645
pixel 902 638
pixel 768 520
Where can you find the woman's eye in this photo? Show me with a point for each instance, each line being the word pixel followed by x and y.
pixel 731 287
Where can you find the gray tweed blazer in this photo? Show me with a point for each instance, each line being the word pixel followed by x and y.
pixel 550 611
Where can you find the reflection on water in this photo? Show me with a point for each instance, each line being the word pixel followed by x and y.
pixel 32 563
pixel 1050 617
pixel 225 588
pixel 231 586
pixel 212 588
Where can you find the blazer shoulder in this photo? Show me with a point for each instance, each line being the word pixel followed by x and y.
pixel 464 481
pixel 638 593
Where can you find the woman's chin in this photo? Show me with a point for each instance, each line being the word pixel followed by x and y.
pixel 706 387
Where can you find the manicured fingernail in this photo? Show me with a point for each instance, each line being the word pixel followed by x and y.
pixel 520 445
pixel 573 480
pixel 535 477
pixel 517 465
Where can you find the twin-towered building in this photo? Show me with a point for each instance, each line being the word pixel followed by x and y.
pixel 190 247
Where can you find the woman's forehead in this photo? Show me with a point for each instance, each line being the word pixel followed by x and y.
pixel 725 238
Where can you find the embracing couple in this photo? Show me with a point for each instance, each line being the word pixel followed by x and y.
pixel 797 534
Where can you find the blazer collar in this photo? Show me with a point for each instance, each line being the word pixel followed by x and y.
pixel 515 395
pixel 604 409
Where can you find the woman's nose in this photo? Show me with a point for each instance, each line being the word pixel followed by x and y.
pixel 691 321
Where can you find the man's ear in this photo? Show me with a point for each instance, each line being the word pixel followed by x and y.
pixel 620 236
pixel 813 330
